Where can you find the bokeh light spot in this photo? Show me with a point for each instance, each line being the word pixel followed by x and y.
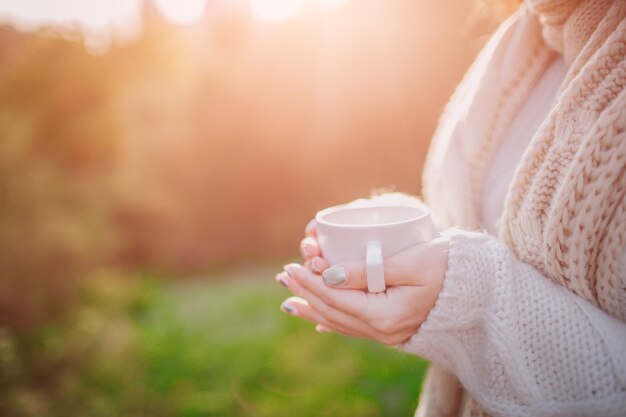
pixel 182 11
pixel 274 10
pixel 331 4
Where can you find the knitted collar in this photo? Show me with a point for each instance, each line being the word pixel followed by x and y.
pixel 567 25
pixel 548 219
pixel 565 212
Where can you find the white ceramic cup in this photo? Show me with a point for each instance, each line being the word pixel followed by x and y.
pixel 347 234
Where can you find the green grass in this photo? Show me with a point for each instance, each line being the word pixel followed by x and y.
pixel 210 347
pixel 223 348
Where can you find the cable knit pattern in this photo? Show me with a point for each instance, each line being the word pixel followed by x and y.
pixel 568 24
pixel 564 216
pixel 553 219
pixel 522 345
pixel 516 46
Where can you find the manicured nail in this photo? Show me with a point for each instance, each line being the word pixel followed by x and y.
pixel 282 279
pixel 288 270
pixel 288 308
pixel 314 265
pixel 334 276
pixel 305 250
pixel 321 329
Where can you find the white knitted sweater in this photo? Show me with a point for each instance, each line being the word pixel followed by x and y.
pixel 521 344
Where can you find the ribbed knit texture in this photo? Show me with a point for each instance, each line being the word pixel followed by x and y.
pixel 563 212
pixel 515 140
pixel 522 345
pixel 563 228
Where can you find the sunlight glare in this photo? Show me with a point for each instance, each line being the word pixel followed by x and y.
pixel 182 11
pixel 331 4
pixel 274 10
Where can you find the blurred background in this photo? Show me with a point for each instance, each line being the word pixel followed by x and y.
pixel 158 162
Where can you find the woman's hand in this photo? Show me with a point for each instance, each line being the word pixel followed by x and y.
pixel 337 302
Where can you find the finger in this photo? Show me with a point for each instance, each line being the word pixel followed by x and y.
pixel 281 278
pixel 320 328
pixel 323 328
pixel 353 275
pixel 317 264
pixel 350 275
pixel 329 312
pixel 299 307
pixel 417 265
pixel 382 328
pixel 309 248
pixel 354 303
pixel 311 229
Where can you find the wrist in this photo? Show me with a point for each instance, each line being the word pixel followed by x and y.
pixel 462 296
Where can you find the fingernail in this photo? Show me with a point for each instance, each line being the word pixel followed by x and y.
pixel 320 329
pixel 288 308
pixel 288 270
pixel 305 250
pixel 281 278
pixel 334 276
pixel 315 265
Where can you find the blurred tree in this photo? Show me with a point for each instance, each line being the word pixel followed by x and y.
pixel 57 142
pixel 192 146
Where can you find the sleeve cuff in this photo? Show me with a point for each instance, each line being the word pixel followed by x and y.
pixel 461 302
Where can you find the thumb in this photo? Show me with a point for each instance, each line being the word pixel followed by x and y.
pixel 353 275
pixel 349 275
pixel 417 265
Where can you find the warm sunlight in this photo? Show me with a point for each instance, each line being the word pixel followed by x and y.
pixel 279 10
pixel 159 163
pixel 182 11
pixel 331 3
pixel 274 10
pixel 123 14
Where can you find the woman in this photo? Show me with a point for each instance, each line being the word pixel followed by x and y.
pixel 529 313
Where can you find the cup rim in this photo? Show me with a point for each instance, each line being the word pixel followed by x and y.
pixel 319 217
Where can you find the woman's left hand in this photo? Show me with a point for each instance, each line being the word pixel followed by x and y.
pixel 338 302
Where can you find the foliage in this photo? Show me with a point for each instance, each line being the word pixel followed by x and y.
pixel 54 193
pixel 202 348
pixel 190 147
pixel 85 364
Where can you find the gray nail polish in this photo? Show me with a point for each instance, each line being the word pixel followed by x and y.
pixel 287 308
pixel 334 276
pixel 314 265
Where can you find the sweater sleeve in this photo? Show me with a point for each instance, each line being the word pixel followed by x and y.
pixel 519 343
